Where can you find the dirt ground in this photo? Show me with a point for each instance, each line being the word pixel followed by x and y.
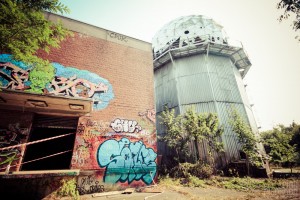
pixel 292 191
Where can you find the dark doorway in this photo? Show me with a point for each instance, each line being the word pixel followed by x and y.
pixel 56 153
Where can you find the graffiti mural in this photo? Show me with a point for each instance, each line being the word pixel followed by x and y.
pixel 64 81
pixel 12 135
pixel 123 150
pixel 89 184
pixel 127 161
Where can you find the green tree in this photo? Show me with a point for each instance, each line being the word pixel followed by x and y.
pixel 246 138
pixel 204 127
pixel 279 146
pixel 180 130
pixel 24 30
pixel 174 135
pixel 290 7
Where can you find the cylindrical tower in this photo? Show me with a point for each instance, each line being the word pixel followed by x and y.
pixel 195 63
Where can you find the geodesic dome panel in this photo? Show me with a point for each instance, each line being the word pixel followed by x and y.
pixel 186 30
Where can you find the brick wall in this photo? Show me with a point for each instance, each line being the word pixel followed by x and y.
pixel 101 145
pixel 116 142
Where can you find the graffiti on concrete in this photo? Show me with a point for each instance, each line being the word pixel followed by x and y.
pixel 66 81
pixel 89 185
pixel 124 125
pixel 126 161
pixel 11 136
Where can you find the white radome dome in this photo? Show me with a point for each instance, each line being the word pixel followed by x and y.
pixel 186 29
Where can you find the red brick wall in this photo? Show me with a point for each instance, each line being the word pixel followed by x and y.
pixel 130 72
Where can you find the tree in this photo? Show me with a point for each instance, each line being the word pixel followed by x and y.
pixel 279 144
pixel 191 126
pixel 246 138
pixel 290 7
pixel 204 127
pixel 174 136
pixel 24 30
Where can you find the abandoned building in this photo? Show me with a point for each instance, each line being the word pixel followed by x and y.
pixel 197 64
pixel 90 114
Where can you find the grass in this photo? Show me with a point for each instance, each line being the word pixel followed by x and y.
pixel 240 184
pixel 247 184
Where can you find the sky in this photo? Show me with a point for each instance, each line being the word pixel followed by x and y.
pixel 273 81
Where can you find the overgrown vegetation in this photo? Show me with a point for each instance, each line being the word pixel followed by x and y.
pixel 236 183
pixel 246 184
pixel 68 189
pixel 185 170
pixel 247 140
pixel 282 144
pixel 193 127
pixel 24 29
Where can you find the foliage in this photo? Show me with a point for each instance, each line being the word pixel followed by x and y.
pixel 281 144
pixel 240 184
pixel 175 136
pixel 24 29
pixel 40 76
pixel 68 189
pixel 246 184
pixel 246 138
pixel 193 181
pixel 203 127
pixel 181 129
pixel 168 181
pixel 290 7
pixel 186 170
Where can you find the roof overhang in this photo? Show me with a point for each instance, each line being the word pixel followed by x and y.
pixel 44 104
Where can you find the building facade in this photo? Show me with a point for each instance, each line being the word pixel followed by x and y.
pixel 90 114
pixel 196 64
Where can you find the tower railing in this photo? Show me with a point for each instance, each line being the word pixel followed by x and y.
pixel 198 45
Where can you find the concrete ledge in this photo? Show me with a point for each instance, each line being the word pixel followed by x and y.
pixel 39 174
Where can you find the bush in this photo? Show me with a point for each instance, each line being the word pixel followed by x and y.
pixel 68 189
pixel 185 170
pixel 245 184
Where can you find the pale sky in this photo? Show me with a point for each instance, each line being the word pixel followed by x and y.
pixel 273 81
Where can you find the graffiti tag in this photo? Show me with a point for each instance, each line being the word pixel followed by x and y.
pixel 117 36
pixel 88 185
pixel 124 125
pixel 127 161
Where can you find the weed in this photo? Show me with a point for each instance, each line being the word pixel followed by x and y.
pixel 246 184
pixel 68 189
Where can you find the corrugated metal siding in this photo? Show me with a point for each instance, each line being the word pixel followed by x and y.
pixel 189 80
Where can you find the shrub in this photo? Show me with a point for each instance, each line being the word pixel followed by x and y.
pixel 185 170
pixel 68 189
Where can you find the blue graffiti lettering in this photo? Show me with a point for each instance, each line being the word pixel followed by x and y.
pixel 127 161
